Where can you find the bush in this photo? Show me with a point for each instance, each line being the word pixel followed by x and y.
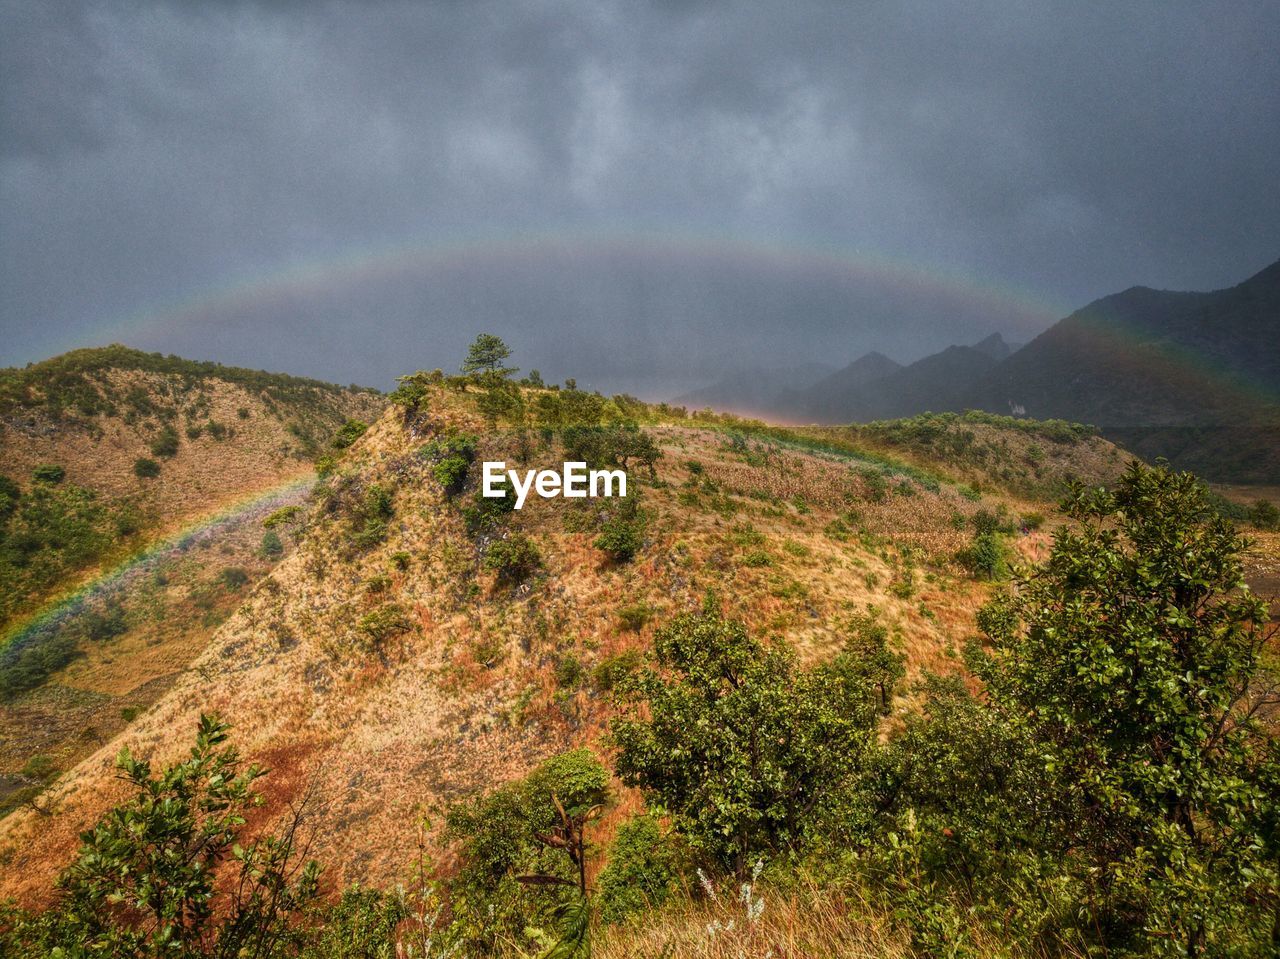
pixel 485 513
pixel 777 749
pixel 611 672
pixel 272 547
pixel 104 624
pixel 48 473
pixel 985 558
pixel 166 444
pixel 146 879
pixel 348 433
pixel 412 391
pixel 26 667
pixel 451 473
pixel 513 559
pixel 10 494
pixel 518 830
pixel 383 623
pixel 1265 515
pixel 145 468
pixel 644 868
pixel 370 518
pixel 450 460
pixel 233 578
pixel 361 925
pixel 634 617
pixel 622 534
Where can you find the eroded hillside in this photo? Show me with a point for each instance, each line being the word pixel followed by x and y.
pixel 422 643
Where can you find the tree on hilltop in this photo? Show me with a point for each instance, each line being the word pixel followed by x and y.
pixel 485 358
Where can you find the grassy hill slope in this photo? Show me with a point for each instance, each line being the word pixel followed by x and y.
pixel 141 442
pixel 398 659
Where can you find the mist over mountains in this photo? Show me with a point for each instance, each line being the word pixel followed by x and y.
pixel 1193 377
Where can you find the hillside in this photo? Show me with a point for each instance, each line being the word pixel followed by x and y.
pixel 140 442
pixel 113 575
pixel 387 667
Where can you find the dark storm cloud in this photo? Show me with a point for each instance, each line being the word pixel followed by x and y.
pixel 149 152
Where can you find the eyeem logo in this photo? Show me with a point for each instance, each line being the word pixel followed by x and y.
pixel 575 481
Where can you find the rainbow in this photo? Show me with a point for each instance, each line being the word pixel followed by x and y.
pixel 45 621
pixel 1014 308
pixel 1009 308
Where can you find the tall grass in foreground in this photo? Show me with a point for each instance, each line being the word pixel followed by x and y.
pixel 805 919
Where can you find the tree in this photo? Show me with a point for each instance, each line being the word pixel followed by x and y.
pixel 1130 661
pixel 485 359
pixel 747 753
pixel 522 849
pixel 146 879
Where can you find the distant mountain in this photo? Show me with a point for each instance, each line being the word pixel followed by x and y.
pixel 1194 377
pixel 755 391
pixel 839 390
pixel 995 347
pixel 874 387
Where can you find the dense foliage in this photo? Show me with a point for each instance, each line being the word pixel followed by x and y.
pixel 749 754
pixel 1116 782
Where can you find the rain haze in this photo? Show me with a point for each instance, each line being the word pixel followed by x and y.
pixel 642 196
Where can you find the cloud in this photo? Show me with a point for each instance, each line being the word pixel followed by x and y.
pixel 153 152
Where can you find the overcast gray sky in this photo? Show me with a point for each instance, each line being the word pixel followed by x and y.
pixel 638 194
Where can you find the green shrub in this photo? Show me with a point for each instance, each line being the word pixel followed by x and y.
pixel 10 494
pixel 643 870
pixel 513 559
pixel 49 473
pixel 360 925
pixel 166 444
pixel 272 547
pixel 985 557
pixel 634 617
pixel 569 672
pixel 609 673
pixel 371 517
pixel 282 516
pixel 348 433
pixel 26 667
pixel 450 457
pixel 778 749
pixel 451 473
pixel 757 558
pixel 100 625
pixel 146 878
pixel 507 833
pixel 381 624
pixel 486 513
pixel 145 468
pixel 622 534
pixel 1116 720
pixel 233 577
pixel 412 391
pixel 1265 515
